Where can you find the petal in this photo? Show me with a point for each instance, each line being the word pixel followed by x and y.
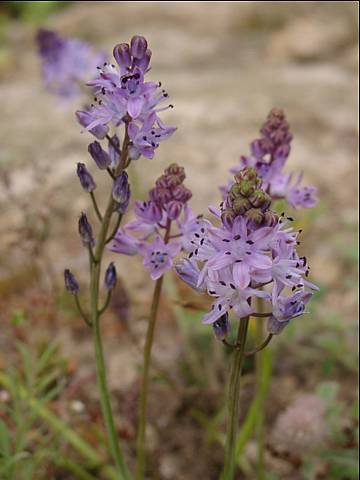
pixel 241 275
pixel 220 260
pixel 134 106
pixel 217 310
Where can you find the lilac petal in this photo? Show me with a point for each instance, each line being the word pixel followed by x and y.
pixel 220 260
pixel 241 275
pixel 217 310
pixel 262 262
pixel 135 105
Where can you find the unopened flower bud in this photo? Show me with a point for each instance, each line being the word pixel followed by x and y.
pixel 270 218
pixel 227 218
pixel 121 192
pixel 85 230
pixel 173 209
pixel 182 194
pixel 160 195
pixel 138 46
pixel 143 63
pixel 248 173
pixel 110 277
pixel 85 177
pixel 260 199
pixel 114 150
pixel 101 158
pixel 255 215
pixel 122 55
pixel 222 327
pixel 71 284
pixel 234 192
pixel 240 205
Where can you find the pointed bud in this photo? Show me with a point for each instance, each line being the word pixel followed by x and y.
pixel 85 177
pixel 240 205
pixel 110 277
pixel 144 62
pixel 173 209
pixel 138 46
pixel 260 199
pixel 121 192
pixel 85 231
pixel 255 215
pixel 122 56
pixel 222 327
pixel 114 149
pixel 71 284
pixel 182 194
pixel 101 158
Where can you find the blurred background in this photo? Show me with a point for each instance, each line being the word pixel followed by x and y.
pixel 225 65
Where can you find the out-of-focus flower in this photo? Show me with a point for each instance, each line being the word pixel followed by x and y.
pixel 66 62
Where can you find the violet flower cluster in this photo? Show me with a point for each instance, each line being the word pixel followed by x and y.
pixel 150 233
pixel 268 156
pixel 66 62
pixel 250 253
pixel 123 96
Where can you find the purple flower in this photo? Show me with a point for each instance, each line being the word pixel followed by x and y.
pixel 147 137
pixel 101 158
pixel 123 95
pixel 71 283
pixel 121 192
pixel 110 277
pixel 66 62
pixel 158 256
pixel 85 177
pixel 124 243
pixel 85 118
pixel 189 272
pixel 286 308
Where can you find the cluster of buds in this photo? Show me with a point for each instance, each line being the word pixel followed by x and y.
pixel 276 138
pixel 246 198
pixel 169 193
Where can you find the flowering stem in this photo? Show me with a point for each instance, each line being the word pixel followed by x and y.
pixel 262 345
pixel 233 400
pixel 95 270
pixel 115 229
pixel 140 443
pixel 96 208
pixel 81 311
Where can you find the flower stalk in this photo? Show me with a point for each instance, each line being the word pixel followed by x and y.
pixel 140 442
pixel 233 400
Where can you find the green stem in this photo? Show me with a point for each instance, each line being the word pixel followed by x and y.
pixel 95 270
pixel 233 400
pixel 140 442
pixel 95 205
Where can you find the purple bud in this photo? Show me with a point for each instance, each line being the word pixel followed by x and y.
pixel 85 230
pixel 71 284
pixel 189 272
pixel 173 209
pixel 114 149
pixel 182 194
pixel 121 192
pixel 110 277
pixel 222 327
pixel 102 158
pixel 160 195
pixel 84 118
pixel 122 55
pixel 138 46
pixel 143 63
pixel 85 177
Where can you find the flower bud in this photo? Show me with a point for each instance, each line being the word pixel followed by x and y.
pixel 85 231
pixel 222 327
pixel 138 46
pixel 85 177
pixel 122 55
pixel 143 63
pixel 121 189
pixel 240 205
pixel 271 218
pixel 182 194
pixel 227 218
pixel 101 158
pixel 248 173
pixel 234 192
pixel 255 215
pixel 114 149
pixel 110 277
pixel 160 195
pixel 173 209
pixel 260 199
pixel 71 284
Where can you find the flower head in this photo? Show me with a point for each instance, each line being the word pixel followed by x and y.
pixel 158 256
